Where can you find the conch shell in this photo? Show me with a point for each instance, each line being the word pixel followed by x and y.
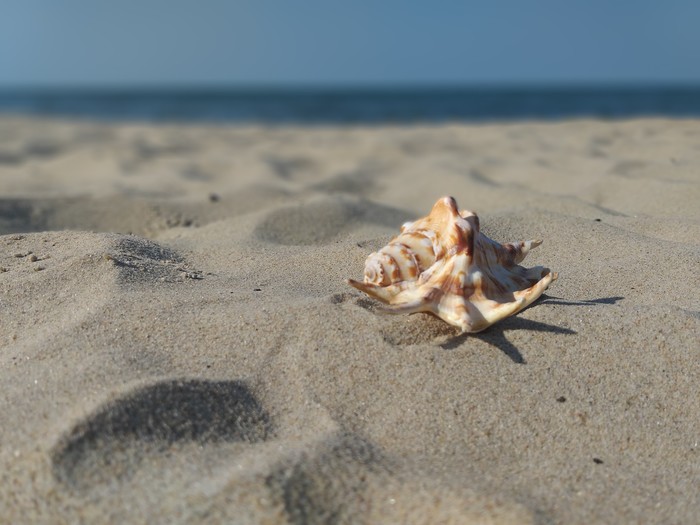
pixel 442 264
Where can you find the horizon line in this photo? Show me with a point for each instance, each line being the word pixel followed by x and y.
pixel 272 87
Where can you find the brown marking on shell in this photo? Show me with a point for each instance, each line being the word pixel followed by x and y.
pixel 420 245
pixel 442 264
pixel 424 241
pixel 413 273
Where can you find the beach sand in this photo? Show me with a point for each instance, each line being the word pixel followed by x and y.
pixel 178 343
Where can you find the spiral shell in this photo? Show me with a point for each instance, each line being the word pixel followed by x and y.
pixel 444 265
pixel 410 253
pixel 403 259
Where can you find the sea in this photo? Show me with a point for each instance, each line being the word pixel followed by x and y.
pixel 357 105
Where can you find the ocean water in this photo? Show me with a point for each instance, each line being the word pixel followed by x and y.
pixel 357 106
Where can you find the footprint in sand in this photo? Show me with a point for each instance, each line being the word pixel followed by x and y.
pixel 361 182
pixel 348 479
pixel 327 480
pixel 104 214
pixel 336 477
pixel 324 220
pixel 292 168
pixel 33 149
pixel 111 442
pixel 20 216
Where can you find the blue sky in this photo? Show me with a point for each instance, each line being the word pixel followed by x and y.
pixel 252 42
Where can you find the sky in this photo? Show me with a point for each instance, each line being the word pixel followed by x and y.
pixel 48 43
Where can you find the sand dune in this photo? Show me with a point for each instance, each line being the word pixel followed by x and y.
pixel 178 344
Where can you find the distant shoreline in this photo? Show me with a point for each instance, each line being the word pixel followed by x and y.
pixel 354 105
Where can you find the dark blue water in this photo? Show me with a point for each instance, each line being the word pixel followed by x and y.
pixel 357 106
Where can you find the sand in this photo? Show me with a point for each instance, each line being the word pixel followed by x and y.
pixel 178 343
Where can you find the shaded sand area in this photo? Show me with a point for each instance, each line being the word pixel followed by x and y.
pixel 178 344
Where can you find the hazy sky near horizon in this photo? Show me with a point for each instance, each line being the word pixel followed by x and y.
pixel 216 42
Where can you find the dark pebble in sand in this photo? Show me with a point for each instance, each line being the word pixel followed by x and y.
pixel 561 399
pixel 597 461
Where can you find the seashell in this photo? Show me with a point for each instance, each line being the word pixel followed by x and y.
pixel 411 253
pixel 442 264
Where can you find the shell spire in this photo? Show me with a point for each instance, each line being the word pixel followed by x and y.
pixel 442 264
pixel 414 250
